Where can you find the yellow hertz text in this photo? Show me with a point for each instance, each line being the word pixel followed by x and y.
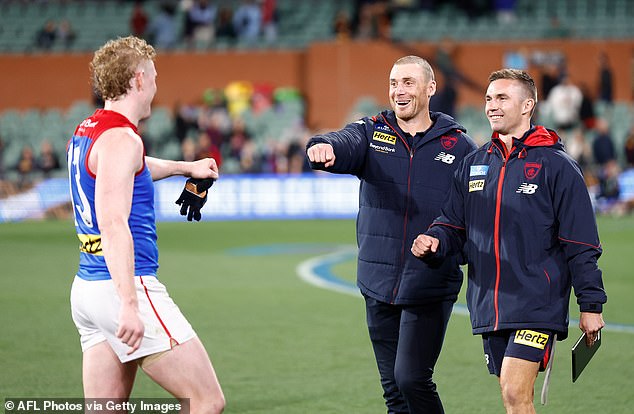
pixel 531 338
pixel 90 243
pixel 387 138
pixel 476 185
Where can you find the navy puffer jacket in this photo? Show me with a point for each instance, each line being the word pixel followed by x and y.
pixel 404 181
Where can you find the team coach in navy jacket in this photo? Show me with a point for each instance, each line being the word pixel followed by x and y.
pixel 520 207
pixel 405 159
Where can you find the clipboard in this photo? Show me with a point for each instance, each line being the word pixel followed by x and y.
pixel 582 354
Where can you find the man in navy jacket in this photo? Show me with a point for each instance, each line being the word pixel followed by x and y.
pixel 520 209
pixel 405 160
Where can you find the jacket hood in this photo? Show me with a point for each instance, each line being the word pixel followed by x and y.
pixel 441 123
pixel 538 136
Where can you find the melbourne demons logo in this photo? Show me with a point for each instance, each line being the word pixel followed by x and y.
pixel 448 142
pixel 531 169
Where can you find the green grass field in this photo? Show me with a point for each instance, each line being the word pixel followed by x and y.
pixel 280 345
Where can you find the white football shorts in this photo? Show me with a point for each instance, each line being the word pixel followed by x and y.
pixel 95 311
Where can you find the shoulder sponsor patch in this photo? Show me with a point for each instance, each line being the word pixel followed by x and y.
pixel 476 185
pixel 383 137
pixel 531 338
pixel 476 170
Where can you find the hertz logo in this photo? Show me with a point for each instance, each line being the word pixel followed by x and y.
pixel 476 185
pixel 531 338
pixel 387 138
pixel 90 243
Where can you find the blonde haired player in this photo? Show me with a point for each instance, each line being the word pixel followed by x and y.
pixel 123 313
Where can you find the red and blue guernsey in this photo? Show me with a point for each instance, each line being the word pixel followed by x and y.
pixel 92 265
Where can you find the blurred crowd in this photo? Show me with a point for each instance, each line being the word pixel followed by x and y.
pixel 247 128
pixel 204 23
pixel 570 108
pixel 260 129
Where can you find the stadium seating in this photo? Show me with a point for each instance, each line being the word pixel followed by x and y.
pixel 302 22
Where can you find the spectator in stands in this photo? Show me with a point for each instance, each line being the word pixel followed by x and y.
pixel 46 35
pixel 373 19
pixel 188 150
pixel 225 29
pixel 586 110
pixel 608 197
pixel 1 159
pixel 48 160
pixel 162 29
pixel 25 167
pixel 138 20
pixel 205 148
pixel 445 99
pixel 383 15
pixel 606 79
pixel 629 148
pixel 247 21
pixel 237 139
pixel 296 155
pixel 579 149
pixel 342 27
pixel 505 11
pixel 270 18
pixel 475 8
pixel 185 119
pixel 603 145
pixel 626 178
pixel 564 102
pixel 365 28
pixel 66 34
pixel 199 23
pixel 550 77
pixel 250 160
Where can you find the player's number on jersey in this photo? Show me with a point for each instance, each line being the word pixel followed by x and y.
pixel 81 206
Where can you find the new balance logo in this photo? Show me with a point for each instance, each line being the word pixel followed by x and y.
pixel 526 188
pixel 446 158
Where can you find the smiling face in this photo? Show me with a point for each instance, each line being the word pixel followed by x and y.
pixel 508 107
pixel 410 90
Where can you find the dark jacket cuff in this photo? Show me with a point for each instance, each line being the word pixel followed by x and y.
pixel 591 307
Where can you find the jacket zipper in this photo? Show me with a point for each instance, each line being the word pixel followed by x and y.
pixel 409 177
pixel 496 235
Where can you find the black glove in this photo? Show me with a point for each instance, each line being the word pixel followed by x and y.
pixel 194 197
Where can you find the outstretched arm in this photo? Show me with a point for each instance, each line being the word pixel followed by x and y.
pixel 160 168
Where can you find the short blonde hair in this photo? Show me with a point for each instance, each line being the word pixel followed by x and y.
pixel 427 70
pixel 114 64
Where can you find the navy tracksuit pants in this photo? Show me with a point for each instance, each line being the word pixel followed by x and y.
pixel 407 342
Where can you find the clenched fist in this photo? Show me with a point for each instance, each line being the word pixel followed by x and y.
pixel 423 245
pixel 322 153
